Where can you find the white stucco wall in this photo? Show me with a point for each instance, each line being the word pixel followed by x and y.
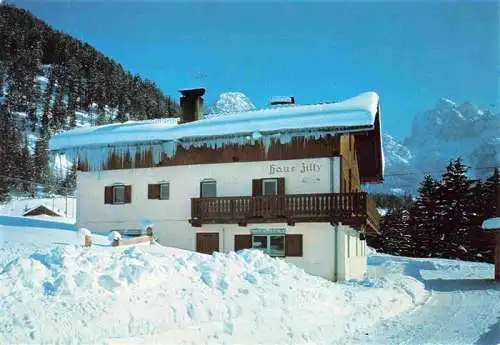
pixel 233 179
pixel 352 254
pixel 318 243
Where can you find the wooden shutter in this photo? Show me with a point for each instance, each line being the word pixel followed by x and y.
pixel 128 194
pixel 153 191
pixel 108 194
pixel 207 242
pixel 242 242
pixel 281 186
pixel 293 245
pixel 257 187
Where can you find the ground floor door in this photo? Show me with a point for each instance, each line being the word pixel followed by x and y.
pixel 207 242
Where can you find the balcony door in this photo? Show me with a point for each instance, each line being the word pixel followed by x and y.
pixel 268 203
pixel 270 187
pixel 208 188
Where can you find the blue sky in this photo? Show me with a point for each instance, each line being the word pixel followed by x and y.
pixel 411 53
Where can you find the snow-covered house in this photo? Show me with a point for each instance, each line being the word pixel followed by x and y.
pixel 284 179
pixel 41 210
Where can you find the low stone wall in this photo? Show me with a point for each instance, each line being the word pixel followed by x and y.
pixel 130 241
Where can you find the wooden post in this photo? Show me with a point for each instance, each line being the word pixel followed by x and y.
pixel 497 256
pixel 88 240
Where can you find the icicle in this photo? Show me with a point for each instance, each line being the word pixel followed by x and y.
pixel 96 157
pixel 132 154
pixel 170 148
pixel 267 143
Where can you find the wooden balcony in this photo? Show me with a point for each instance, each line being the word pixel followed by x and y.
pixel 355 209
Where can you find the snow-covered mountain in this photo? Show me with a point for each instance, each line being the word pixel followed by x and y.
pixel 446 131
pixel 401 175
pixel 230 102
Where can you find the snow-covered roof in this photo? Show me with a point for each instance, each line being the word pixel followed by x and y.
pixel 42 206
pixel 491 223
pixel 357 113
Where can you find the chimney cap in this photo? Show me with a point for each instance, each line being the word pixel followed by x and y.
pixel 193 91
pixel 278 100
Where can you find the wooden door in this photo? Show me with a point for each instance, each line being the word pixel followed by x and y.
pixel 207 242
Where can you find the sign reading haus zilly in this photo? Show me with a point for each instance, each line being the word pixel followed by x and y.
pixel 301 168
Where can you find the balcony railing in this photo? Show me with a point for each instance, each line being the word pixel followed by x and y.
pixel 348 208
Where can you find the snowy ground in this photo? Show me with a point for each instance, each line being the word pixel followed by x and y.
pixel 54 291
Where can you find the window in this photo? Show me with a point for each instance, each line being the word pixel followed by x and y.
pixel 208 189
pixel 118 194
pixel 164 191
pixel 277 245
pixel 159 191
pixel 273 245
pixel 269 187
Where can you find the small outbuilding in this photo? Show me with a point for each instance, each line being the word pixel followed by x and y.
pixel 493 224
pixel 41 210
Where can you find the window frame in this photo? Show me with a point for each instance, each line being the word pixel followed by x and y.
pixel 162 184
pixel 274 182
pixel 206 182
pixel 267 249
pixel 115 189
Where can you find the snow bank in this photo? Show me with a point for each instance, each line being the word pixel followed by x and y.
pixel 37 222
pixel 491 223
pixel 67 294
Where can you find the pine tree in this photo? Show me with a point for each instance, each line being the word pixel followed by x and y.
pixel 32 67
pixel 73 81
pixel 59 113
pixel 47 104
pixel 424 218
pixel 396 238
pixel 42 174
pixel 101 117
pixel 2 79
pixel 27 171
pixel 456 211
pixel 4 167
pixel 10 148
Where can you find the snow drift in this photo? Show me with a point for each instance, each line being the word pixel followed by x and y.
pixel 67 294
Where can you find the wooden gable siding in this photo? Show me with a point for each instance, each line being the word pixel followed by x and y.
pixel 299 148
pixel 369 151
pixel 41 210
pixel 349 170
